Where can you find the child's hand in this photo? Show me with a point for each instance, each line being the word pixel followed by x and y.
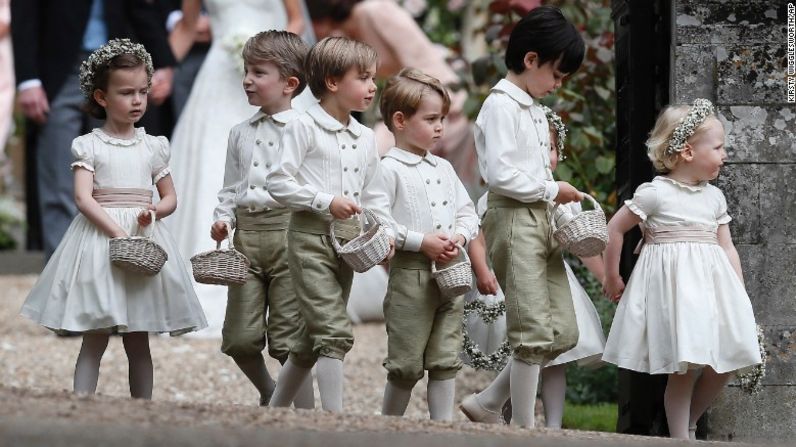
pixel 219 230
pixel 567 193
pixel 342 208
pixel 390 255
pixel 487 284
pixel 613 287
pixel 145 217
pixel 435 245
pixel 453 251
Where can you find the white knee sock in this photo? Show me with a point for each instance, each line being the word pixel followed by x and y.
pixel 440 399
pixel 677 402
pixel 254 368
pixel 305 398
pixel 707 388
pixel 291 377
pixel 88 363
pixel 524 382
pixel 498 392
pixel 139 359
pixel 554 388
pixel 330 383
pixel 396 399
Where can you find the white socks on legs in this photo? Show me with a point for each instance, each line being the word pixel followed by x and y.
pixel 706 389
pixel 554 388
pixel 330 383
pixel 291 378
pixel 305 398
pixel 396 399
pixel 524 382
pixel 497 393
pixel 440 399
pixel 88 363
pixel 254 368
pixel 136 345
pixel 677 401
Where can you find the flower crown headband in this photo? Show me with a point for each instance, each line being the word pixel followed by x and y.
pixel 561 130
pixel 697 114
pixel 103 55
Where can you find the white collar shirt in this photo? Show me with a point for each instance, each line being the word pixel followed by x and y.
pixel 512 139
pixel 323 159
pixel 425 196
pixel 253 152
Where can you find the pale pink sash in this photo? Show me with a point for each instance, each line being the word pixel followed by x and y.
pixel 123 197
pixel 678 233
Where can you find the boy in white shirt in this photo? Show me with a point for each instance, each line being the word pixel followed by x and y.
pixel 513 142
pixel 433 216
pixel 274 74
pixel 329 161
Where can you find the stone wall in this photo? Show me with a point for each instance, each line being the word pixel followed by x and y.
pixel 734 53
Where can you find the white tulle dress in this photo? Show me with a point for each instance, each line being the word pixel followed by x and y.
pixel 684 306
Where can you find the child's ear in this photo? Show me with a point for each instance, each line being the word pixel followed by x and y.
pixel 398 121
pixel 291 85
pixel 99 97
pixel 529 59
pixel 331 83
pixel 688 152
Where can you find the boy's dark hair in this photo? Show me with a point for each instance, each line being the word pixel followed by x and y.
pixel 549 34
pixel 282 48
pixel 123 61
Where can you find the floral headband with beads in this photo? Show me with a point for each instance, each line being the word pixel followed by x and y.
pixel 697 114
pixel 103 55
pixel 561 130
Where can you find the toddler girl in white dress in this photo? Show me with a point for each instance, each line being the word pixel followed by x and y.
pixel 685 311
pixel 115 167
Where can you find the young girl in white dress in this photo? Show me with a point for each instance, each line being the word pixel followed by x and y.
pixel 685 311
pixel 115 167
pixel 591 339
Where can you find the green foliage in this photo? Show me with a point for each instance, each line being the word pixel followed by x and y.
pixel 601 417
pixel 10 217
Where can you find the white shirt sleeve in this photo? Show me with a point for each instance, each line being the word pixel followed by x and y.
pixel 376 195
pixel 233 175
pixel 282 183
pixel 499 128
pixel 28 84
pixel 466 217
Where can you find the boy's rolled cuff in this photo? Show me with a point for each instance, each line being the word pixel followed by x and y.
pixel 413 241
pixel 321 202
pixel 550 190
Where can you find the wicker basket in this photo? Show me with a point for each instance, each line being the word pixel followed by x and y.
pixel 138 254
pixel 223 267
pixel 456 279
pixel 367 249
pixel 586 234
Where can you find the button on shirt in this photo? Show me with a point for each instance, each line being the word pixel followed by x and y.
pixel 425 196
pixel 512 139
pixel 253 152
pixel 321 159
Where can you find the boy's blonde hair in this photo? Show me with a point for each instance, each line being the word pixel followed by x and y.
pixel 332 57
pixel 283 49
pixel 658 142
pixel 404 92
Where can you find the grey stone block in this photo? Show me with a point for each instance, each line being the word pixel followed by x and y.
pixel 767 416
pixel 750 75
pixel 759 133
pixel 693 73
pixel 729 21
pixel 770 276
pixel 741 186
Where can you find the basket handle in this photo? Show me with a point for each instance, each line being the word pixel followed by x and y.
pixel 593 201
pixel 461 249
pixel 368 217
pixel 143 230
pixel 231 246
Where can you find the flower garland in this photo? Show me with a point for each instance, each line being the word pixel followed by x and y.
pixel 234 44
pixel 477 359
pixel 561 130
pixel 701 109
pixel 751 381
pixel 103 55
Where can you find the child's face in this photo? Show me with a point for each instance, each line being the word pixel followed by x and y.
pixel 125 98
pixel 356 89
pixel 423 130
pixel 553 150
pixel 263 85
pixel 707 151
pixel 541 80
